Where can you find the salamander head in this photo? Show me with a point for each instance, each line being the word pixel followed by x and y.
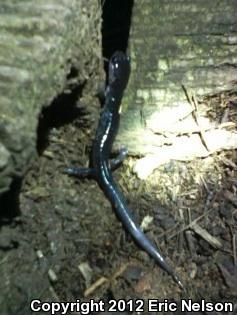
pixel 119 69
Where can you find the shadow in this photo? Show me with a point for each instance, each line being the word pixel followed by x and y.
pixel 116 24
pixel 63 110
pixel 9 202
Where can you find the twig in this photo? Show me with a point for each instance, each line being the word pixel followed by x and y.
pixel 214 242
pixel 193 102
pixel 193 222
pixel 180 239
pixel 228 162
pixel 104 280
pixel 204 183
pixel 225 115
pixel 191 246
pixel 119 272
pixel 95 285
pixel 188 226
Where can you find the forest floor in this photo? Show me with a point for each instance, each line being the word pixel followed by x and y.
pixel 67 244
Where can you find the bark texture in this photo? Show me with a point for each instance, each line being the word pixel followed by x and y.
pixel 175 43
pixel 40 41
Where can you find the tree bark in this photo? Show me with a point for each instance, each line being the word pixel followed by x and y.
pixel 40 41
pixel 174 44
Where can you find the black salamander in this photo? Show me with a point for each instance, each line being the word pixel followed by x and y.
pixel 119 71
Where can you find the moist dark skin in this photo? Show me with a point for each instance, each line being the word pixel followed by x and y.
pixel 101 171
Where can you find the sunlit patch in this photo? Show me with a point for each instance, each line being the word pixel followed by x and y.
pixel 181 133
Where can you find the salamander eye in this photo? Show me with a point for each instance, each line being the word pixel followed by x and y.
pixel 117 63
pixel 114 70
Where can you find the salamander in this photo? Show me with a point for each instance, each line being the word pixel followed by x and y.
pixel 101 170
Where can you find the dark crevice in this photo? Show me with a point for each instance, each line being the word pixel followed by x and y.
pixel 63 110
pixel 116 15
pixel 9 202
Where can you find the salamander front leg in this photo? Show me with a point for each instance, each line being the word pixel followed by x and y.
pixel 116 162
pixel 82 172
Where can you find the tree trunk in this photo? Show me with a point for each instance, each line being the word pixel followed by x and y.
pixel 40 41
pixel 174 44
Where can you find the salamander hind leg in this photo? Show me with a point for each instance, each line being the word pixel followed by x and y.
pixel 116 162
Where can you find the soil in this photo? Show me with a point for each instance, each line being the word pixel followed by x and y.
pixel 67 244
